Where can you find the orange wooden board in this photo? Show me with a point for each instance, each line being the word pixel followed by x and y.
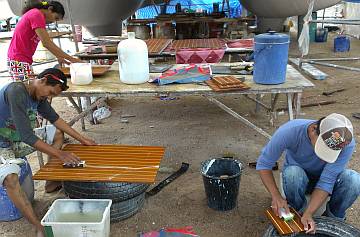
pixel 285 227
pixel 215 87
pixel 156 46
pixel 96 70
pixel 198 43
pixel 107 163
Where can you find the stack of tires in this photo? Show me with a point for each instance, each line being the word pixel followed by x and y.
pixel 127 198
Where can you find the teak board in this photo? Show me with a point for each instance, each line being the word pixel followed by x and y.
pixel 156 46
pixel 285 227
pixel 107 163
pixel 198 43
pixel 223 88
pixel 96 70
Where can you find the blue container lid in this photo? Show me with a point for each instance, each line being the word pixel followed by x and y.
pixel 272 37
pixel 342 37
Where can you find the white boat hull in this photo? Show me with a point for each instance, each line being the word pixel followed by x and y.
pixel 284 8
pixel 99 17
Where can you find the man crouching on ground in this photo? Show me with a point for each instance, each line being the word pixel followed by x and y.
pixel 316 156
pixel 19 103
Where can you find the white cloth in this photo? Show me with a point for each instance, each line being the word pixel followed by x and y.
pixel 304 39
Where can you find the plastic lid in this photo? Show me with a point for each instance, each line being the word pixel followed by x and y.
pixel 131 35
pixel 272 37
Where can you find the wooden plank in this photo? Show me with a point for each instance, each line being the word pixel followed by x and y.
pixel 97 70
pixel 285 227
pixel 198 43
pixel 107 163
pixel 156 46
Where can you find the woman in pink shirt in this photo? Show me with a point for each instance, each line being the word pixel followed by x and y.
pixel 30 30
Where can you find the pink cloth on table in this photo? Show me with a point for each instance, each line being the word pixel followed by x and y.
pixel 241 43
pixel 25 40
pixel 199 55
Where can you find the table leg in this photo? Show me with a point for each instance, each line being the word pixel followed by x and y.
pixel 82 119
pixel 74 104
pixel 40 158
pixel 90 115
pixel 257 106
pixel 273 101
pixel 290 107
pixel 239 117
pixel 298 104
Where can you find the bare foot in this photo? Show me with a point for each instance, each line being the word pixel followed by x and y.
pixel 40 232
pixel 52 186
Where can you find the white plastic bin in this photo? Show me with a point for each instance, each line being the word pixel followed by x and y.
pixel 78 218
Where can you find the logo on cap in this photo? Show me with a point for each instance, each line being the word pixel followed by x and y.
pixel 335 139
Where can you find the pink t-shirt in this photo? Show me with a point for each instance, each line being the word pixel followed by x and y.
pixel 25 40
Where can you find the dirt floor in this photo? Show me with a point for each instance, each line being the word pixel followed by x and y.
pixel 193 130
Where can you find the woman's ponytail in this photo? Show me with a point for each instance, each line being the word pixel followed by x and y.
pixel 55 6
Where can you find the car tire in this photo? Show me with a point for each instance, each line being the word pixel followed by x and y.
pixel 117 192
pixel 122 210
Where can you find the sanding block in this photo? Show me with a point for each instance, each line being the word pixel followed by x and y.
pixel 286 216
pixel 286 224
pixel 81 164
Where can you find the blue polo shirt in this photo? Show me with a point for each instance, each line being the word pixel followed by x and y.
pixel 292 138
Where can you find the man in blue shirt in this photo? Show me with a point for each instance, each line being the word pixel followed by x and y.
pixel 316 155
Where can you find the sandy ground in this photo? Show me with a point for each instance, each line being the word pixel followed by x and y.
pixel 193 130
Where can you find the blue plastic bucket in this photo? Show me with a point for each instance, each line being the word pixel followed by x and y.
pixel 341 43
pixel 8 210
pixel 270 58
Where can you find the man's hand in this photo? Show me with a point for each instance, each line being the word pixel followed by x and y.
pixel 88 142
pixel 309 223
pixel 277 203
pixel 68 158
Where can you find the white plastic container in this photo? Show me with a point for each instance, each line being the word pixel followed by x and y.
pixel 133 60
pixel 81 73
pixel 78 218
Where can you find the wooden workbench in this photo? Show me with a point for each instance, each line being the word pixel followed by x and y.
pixel 110 85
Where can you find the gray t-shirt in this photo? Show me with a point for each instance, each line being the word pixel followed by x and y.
pixel 18 113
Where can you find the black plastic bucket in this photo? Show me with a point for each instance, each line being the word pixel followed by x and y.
pixel 221 178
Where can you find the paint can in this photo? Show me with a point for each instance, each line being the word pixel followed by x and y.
pixel 221 177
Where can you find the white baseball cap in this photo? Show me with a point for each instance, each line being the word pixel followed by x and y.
pixel 336 131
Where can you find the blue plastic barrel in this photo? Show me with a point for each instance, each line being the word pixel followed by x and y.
pixel 341 43
pixel 270 58
pixel 8 210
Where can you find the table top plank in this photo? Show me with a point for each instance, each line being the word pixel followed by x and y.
pixel 110 84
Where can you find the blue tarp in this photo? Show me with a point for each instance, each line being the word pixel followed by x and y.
pixel 354 1
pixel 151 12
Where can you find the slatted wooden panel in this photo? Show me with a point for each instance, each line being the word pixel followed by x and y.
pixel 285 227
pixel 107 163
pixel 234 84
pixel 156 46
pixel 198 43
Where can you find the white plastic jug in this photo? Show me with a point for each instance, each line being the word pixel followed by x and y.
pixel 133 60
pixel 81 73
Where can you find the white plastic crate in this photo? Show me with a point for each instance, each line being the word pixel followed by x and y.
pixel 78 218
